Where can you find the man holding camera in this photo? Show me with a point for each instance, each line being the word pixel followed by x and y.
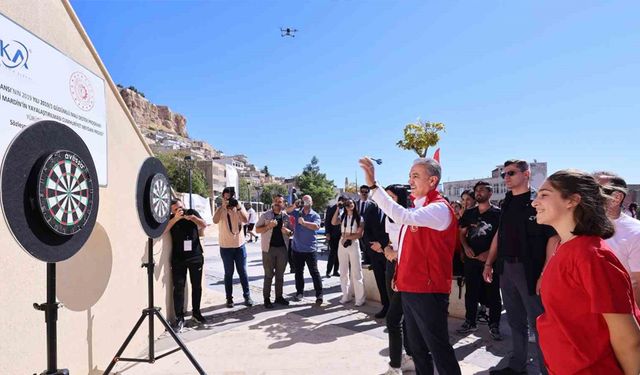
pixel 304 245
pixel 273 225
pixel 230 217
pixel 186 254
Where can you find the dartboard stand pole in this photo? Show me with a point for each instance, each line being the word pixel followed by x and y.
pixel 150 312
pixel 50 309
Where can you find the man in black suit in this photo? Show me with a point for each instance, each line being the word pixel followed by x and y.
pixel 363 204
pixel 375 239
pixel 332 233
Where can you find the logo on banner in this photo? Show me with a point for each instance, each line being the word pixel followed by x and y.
pixel 81 91
pixel 14 54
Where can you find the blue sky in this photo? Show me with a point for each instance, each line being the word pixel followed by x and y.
pixel 557 81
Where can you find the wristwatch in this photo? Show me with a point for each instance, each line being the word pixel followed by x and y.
pixel 374 186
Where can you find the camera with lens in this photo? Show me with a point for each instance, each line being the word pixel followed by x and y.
pixel 347 243
pixel 232 203
pixel 299 203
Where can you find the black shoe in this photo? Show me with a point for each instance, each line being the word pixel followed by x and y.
pixel 248 301
pixel 328 276
pixel 336 274
pixel 268 304
pixel 495 333
pixel 506 371
pixel 178 326
pixel 281 301
pixel 229 302
pixel 381 314
pixel 298 297
pixel 200 318
pixel 319 300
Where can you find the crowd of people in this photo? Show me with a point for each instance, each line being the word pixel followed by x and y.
pixel 563 261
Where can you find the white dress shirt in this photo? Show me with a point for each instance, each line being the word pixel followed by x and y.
pixel 435 216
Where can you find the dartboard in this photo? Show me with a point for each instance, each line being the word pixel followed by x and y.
pixel 159 198
pixel 65 192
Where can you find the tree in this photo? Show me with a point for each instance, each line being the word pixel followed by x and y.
pixel 316 184
pixel 178 174
pixel 247 191
pixel 419 137
pixel 265 170
pixel 269 190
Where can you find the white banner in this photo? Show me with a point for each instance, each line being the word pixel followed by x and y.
pixel 200 204
pixel 38 82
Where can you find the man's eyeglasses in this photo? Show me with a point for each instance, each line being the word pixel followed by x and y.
pixel 364 192
pixel 510 174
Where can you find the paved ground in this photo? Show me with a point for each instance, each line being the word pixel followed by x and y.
pixel 301 338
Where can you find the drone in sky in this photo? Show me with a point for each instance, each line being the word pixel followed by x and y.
pixel 288 32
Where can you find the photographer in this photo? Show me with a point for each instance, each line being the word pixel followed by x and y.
pixel 273 226
pixel 186 254
pixel 304 245
pixel 230 217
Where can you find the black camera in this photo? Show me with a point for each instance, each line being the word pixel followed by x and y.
pixel 347 243
pixel 340 204
pixel 233 203
pixel 299 203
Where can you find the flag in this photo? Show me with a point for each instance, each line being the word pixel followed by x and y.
pixel 436 155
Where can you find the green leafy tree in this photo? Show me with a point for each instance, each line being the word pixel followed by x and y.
pixel 265 170
pixel 269 190
pixel 316 184
pixel 247 191
pixel 420 136
pixel 179 174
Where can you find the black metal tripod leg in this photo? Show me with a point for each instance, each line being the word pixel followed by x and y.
pixel 126 342
pixel 180 343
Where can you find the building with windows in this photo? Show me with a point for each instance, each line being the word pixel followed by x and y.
pixel 453 189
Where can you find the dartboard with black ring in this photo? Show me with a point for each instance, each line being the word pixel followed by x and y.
pixel 65 192
pixel 160 198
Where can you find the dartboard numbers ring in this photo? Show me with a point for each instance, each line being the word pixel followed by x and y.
pixel 65 192
pixel 159 198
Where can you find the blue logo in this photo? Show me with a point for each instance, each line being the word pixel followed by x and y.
pixel 14 55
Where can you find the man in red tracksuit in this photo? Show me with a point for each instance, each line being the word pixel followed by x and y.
pixel 424 272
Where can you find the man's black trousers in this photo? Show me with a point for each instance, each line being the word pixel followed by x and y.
pixel 179 273
pixel 428 333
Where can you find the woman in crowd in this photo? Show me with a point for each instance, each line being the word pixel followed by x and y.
pixel 590 323
pixel 352 227
pixel 395 324
pixel 468 199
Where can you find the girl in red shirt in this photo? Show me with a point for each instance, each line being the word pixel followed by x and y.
pixel 590 323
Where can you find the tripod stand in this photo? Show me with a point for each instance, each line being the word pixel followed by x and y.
pixel 51 317
pixel 150 312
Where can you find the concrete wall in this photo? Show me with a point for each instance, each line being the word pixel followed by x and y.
pixel 103 287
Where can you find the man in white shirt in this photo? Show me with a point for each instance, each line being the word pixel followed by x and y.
pixel 425 264
pixel 251 223
pixel 625 243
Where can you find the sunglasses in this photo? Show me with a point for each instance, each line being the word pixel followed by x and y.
pixel 510 174
pixel 364 192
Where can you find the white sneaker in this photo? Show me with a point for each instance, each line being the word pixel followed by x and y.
pixel 407 364
pixel 393 371
pixel 345 300
pixel 360 303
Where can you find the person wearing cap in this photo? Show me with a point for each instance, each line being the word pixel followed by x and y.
pixel 625 242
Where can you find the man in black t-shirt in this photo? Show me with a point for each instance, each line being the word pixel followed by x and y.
pixel 478 226
pixel 186 254
pixel 520 251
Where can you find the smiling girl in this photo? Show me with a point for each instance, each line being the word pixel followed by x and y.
pixel 590 323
